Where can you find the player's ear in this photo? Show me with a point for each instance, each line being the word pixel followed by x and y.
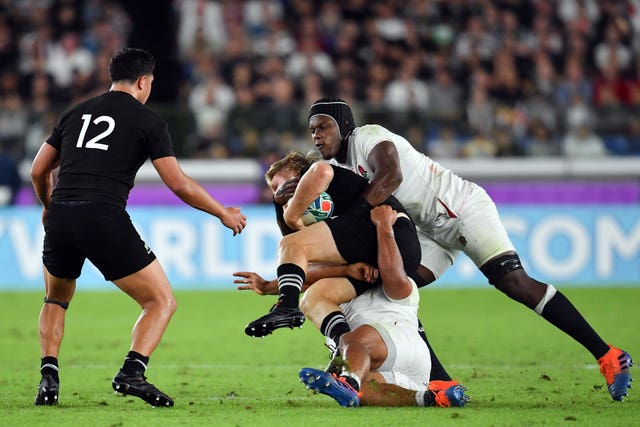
pixel 140 82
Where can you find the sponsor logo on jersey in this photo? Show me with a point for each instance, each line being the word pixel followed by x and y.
pixel 362 171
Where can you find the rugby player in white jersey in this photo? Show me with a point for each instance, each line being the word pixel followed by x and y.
pixel 386 362
pixel 452 216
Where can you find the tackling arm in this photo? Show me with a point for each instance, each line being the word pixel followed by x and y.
pixel 385 163
pixel 395 282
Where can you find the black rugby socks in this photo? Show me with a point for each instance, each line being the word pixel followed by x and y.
pixel 334 326
pixel 563 315
pixel 49 366
pixel 290 280
pixel 134 363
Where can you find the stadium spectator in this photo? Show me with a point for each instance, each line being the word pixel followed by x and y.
pixel 68 62
pixel 309 58
pixel 8 48
pixel 452 215
pixel 610 88
pixel 13 117
pixel 506 85
pixel 407 92
pixel 445 145
pixel 99 146
pixel 480 108
pixel 540 141
pixel 573 83
pixel 505 144
pixel 579 15
pixel 582 142
pixel 384 360
pixel 210 101
pixel 201 26
pixel 543 36
pixel 612 50
pixel 475 40
pixel 478 146
pixel 445 97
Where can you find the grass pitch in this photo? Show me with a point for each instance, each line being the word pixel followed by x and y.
pixel 520 371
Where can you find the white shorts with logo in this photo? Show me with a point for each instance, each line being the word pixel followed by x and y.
pixel 477 231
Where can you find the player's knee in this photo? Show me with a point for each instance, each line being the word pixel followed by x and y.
pixel 289 247
pixel 496 269
pixel 313 303
pixel 347 340
pixel 171 305
pixel 165 304
pixel 306 303
pixel 63 304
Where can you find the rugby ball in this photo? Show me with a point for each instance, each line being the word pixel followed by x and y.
pixel 319 210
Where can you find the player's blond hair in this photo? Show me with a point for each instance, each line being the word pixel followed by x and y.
pixel 293 161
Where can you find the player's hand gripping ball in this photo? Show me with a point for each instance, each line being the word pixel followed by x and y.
pixel 319 210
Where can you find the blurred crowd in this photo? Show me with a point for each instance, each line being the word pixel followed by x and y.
pixel 458 78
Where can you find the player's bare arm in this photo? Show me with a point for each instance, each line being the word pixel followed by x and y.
pixel 395 282
pixel 193 194
pixel 43 164
pixel 359 271
pixel 250 281
pixel 311 185
pixel 384 161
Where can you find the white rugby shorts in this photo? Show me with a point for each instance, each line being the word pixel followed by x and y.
pixel 477 231
pixel 408 362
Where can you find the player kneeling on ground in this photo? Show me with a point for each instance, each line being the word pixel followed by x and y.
pixel 385 361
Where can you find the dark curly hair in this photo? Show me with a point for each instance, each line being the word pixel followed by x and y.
pixel 130 63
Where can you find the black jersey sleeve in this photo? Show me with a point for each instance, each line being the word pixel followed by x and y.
pixel 345 188
pixel 159 141
pixel 55 138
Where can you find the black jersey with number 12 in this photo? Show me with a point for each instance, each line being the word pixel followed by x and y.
pixel 102 143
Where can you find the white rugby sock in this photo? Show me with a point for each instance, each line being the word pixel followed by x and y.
pixel 549 293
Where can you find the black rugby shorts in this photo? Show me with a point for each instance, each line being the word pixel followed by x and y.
pixel 356 240
pixel 101 233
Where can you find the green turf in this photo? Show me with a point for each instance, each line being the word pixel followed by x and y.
pixel 520 371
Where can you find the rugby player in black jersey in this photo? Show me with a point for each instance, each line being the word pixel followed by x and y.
pixel 347 237
pixel 99 145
